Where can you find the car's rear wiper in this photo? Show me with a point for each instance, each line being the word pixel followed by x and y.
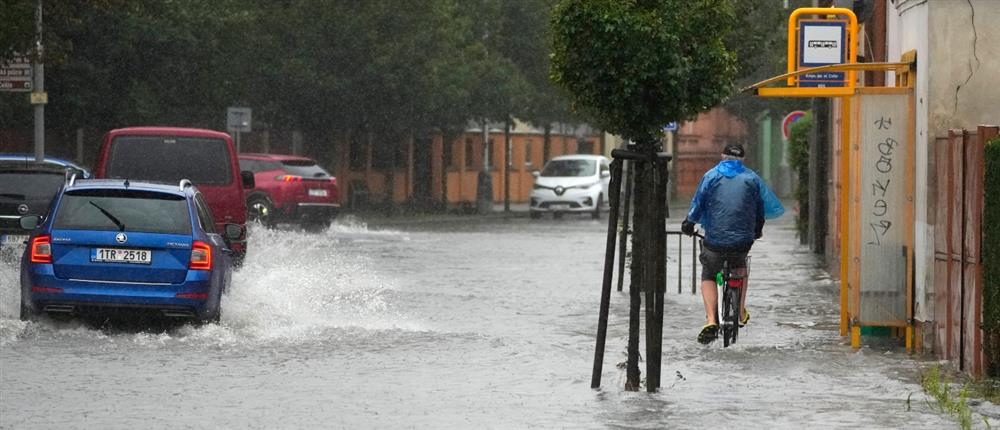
pixel 13 196
pixel 120 225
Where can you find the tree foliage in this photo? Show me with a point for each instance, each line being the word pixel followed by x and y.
pixel 634 65
pixel 991 256
pixel 382 67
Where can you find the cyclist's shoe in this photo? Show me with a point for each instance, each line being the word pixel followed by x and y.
pixel 708 334
pixel 746 318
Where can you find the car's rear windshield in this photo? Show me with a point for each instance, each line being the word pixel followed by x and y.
pixel 169 159
pixel 570 168
pixel 305 168
pixel 21 185
pixel 142 211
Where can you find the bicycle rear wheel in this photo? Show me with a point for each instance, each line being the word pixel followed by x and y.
pixel 736 295
pixel 730 324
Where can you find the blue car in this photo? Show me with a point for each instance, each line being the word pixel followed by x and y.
pixel 115 245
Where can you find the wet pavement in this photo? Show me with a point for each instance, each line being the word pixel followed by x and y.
pixel 457 322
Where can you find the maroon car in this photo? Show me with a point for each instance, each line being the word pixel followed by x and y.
pixel 168 154
pixel 290 188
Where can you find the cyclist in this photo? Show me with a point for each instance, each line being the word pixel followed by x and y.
pixel 731 205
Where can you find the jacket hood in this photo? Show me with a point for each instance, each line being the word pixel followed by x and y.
pixel 730 168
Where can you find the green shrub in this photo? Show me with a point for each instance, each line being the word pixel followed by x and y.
pixel 798 159
pixel 991 257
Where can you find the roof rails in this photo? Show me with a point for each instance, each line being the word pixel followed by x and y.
pixel 184 184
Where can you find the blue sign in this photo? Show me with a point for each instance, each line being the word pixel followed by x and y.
pixel 672 126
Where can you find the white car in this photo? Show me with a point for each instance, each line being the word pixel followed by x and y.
pixel 571 183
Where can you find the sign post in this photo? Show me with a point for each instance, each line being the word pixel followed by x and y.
pixel 238 120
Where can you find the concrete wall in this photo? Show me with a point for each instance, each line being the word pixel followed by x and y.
pixel 958 63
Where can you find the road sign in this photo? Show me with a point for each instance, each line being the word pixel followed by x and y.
pixel 786 123
pixel 15 74
pixel 238 119
pixel 822 43
pixel 672 126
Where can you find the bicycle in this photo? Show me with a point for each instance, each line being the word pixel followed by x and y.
pixel 732 283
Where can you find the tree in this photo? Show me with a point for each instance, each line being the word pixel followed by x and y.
pixel 632 66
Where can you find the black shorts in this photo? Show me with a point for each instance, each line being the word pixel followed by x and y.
pixel 711 262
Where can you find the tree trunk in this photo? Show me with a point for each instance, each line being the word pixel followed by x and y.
pixel 546 145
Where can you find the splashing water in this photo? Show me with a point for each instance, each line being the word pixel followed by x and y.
pixel 293 287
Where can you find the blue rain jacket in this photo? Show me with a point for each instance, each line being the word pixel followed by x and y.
pixel 731 205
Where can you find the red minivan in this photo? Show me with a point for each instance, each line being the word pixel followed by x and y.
pixel 169 154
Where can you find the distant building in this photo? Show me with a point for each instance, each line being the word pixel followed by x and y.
pixel 427 171
pixel 699 145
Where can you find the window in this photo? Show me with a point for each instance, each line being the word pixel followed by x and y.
pixel 170 159
pixel 470 154
pixel 250 165
pixel 383 154
pixel 307 169
pixel 569 168
pixel 492 159
pixel 528 154
pixel 30 185
pixel 114 210
pixel 605 167
pixel 204 214
pixel 584 147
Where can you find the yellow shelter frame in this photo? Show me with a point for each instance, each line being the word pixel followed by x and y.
pixel 850 178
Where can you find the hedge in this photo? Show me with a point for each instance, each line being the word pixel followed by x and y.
pixel 991 257
pixel 798 158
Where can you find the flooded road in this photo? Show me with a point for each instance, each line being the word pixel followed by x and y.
pixel 464 323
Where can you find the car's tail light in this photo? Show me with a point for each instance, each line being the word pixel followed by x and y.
pixel 289 178
pixel 46 290
pixel 333 181
pixel 41 250
pixel 201 256
pixel 192 296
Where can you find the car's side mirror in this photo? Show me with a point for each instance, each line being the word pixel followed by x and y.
pixel 248 180
pixel 536 174
pixel 605 174
pixel 30 222
pixel 233 231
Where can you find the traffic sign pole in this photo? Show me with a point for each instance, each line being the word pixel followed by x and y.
pixel 39 88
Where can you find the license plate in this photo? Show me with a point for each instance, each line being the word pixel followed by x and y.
pixel 118 255
pixel 317 193
pixel 13 239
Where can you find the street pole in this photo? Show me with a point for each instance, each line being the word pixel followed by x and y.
pixel 39 87
pixel 507 166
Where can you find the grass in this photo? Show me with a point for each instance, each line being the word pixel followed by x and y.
pixel 937 386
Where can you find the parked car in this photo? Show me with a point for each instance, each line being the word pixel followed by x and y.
pixel 168 154
pixel 571 183
pixel 123 244
pixel 290 189
pixel 26 188
pixel 70 167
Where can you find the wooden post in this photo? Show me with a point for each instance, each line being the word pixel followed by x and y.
pixel 625 204
pixel 643 254
pixel 614 190
pixel 659 286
